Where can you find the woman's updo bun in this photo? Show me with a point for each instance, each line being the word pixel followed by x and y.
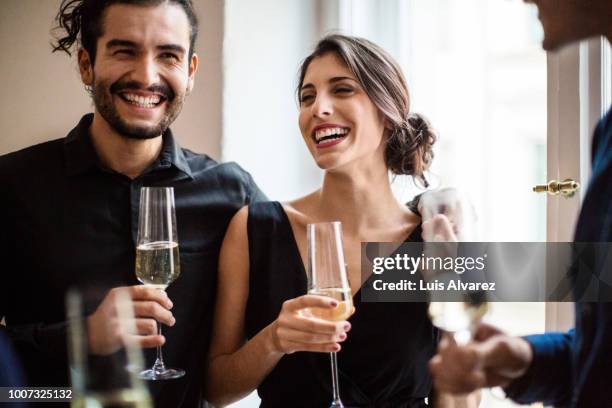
pixel 409 136
pixel 409 148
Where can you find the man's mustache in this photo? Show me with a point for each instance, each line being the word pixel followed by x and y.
pixel 160 88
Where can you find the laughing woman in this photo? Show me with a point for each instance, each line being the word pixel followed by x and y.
pixel 356 122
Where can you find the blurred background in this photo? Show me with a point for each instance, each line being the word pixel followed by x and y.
pixel 474 67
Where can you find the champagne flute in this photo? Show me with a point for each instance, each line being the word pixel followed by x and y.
pixel 327 277
pixel 157 257
pixel 103 381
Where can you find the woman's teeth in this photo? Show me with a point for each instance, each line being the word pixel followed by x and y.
pixel 330 133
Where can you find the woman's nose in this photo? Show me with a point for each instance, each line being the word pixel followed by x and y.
pixel 322 106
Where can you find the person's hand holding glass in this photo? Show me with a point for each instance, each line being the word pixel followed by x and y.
pixel 316 322
pixel 157 257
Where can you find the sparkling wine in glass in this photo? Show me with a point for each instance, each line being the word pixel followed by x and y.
pixel 327 277
pixel 157 257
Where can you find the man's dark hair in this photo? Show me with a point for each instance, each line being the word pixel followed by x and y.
pixel 81 20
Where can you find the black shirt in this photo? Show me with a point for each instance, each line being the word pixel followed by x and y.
pixel 67 221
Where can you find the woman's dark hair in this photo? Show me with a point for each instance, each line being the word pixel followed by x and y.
pixel 409 135
pixel 81 20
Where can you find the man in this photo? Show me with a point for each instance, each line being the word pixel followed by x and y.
pixel 566 369
pixel 69 208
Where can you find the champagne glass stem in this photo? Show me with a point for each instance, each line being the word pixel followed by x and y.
pixel 336 403
pixel 159 365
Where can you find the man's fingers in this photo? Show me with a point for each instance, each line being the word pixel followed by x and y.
pixel 492 359
pixel 507 356
pixel 496 380
pixel 446 341
pixel 453 379
pixel 146 327
pixel 144 292
pixel 485 331
pixel 469 383
pixel 155 311
pixel 145 341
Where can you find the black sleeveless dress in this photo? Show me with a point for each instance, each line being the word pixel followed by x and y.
pixel 383 362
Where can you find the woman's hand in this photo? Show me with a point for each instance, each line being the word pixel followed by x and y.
pixel 296 329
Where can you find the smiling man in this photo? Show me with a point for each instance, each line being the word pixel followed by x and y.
pixel 142 69
pixel 69 208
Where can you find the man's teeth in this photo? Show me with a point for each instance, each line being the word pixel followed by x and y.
pixel 330 133
pixel 144 102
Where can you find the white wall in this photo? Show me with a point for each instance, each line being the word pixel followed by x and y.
pixel 42 97
pixel 265 41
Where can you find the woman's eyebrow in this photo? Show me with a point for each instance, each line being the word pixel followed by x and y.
pixel 331 81
pixel 337 79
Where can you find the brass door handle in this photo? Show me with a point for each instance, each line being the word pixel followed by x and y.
pixel 566 187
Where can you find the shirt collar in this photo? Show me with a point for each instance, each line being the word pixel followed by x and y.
pixel 81 155
pixel 78 148
pixel 172 153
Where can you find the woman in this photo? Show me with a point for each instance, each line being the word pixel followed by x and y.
pixel 355 120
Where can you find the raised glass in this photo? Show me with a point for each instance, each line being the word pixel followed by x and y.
pixel 157 257
pixel 327 277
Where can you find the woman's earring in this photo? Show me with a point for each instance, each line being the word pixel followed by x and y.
pixel 88 89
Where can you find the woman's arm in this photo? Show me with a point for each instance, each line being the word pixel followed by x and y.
pixel 236 367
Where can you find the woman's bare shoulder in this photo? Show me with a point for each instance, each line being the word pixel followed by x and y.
pixel 300 210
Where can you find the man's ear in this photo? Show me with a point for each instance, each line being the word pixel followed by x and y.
pixel 193 67
pixel 85 67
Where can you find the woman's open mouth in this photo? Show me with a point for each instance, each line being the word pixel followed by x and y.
pixel 329 136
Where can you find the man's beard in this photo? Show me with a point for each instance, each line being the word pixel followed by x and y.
pixel 103 100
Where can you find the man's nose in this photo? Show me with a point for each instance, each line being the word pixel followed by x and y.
pixel 145 72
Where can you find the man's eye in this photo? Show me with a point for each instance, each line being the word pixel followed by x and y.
pixel 169 56
pixel 124 52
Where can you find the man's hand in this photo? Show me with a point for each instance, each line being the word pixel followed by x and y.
pixel 107 333
pixel 448 204
pixel 493 359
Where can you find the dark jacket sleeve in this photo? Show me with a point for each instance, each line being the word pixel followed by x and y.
pixel 549 378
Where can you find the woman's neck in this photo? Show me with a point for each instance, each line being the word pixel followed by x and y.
pixel 361 199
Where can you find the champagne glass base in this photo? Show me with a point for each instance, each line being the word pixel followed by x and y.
pixel 166 374
pixel 336 404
